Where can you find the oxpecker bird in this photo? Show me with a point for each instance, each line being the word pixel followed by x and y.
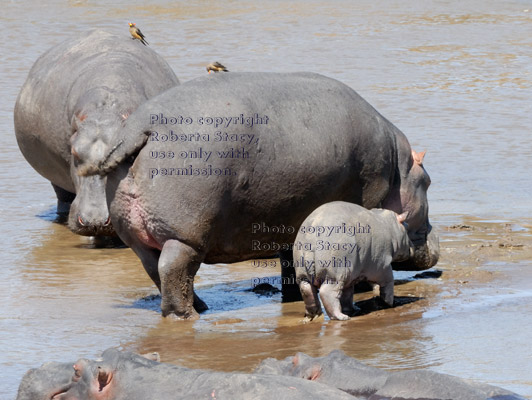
pixel 216 67
pixel 137 34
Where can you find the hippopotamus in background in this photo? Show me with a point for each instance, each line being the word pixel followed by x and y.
pixel 275 148
pixel 127 376
pixel 80 92
pixel 340 244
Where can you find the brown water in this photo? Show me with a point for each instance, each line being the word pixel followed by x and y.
pixel 455 76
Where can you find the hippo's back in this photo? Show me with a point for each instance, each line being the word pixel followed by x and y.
pixel 312 140
pixel 45 105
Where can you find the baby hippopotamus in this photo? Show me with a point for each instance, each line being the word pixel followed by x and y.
pixel 342 243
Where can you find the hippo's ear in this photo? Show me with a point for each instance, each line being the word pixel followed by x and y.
pixel 105 376
pixel 402 217
pixel 418 157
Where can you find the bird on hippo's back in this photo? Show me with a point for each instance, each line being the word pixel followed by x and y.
pixel 137 34
pixel 216 67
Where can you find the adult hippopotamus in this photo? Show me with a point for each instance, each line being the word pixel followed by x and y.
pixel 80 92
pixel 127 376
pixel 228 166
pixel 352 376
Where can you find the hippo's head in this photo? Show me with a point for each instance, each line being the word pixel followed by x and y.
pixel 409 194
pixel 87 380
pixel 46 382
pixel 93 126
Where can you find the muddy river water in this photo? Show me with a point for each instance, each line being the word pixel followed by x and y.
pixel 455 76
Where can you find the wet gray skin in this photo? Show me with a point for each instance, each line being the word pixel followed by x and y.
pixel 332 258
pixel 127 376
pixel 46 382
pixel 316 141
pixel 78 94
pixel 352 376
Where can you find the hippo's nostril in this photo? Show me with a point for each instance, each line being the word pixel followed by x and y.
pixel 107 221
pixel 80 221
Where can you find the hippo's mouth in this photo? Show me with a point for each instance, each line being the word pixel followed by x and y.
pixel 83 229
pixel 59 394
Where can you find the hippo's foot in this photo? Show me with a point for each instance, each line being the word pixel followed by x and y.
pixel 64 200
pixel 199 305
pixel 309 318
pixel 346 301
pixel 330 296
pixel 311 299
pixel 183 316
pixel 178 264
pixel 386 287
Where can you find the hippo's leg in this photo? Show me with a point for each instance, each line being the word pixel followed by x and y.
pixel 330 294
pixel 346 300
pixel 385 282
pixel 289 289
pixel 311 299
pixel 150 261
pixel 178 265
pixel 64 200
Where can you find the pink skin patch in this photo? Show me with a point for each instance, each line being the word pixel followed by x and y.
pixel 138 222
pixel 146 238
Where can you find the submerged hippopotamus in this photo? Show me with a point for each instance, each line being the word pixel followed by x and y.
pixel 352 376
pixel 80 92
pixel 127 376
pixel 340 244
pixel 221 163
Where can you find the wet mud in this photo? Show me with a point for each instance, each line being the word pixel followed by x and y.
pixel 476 279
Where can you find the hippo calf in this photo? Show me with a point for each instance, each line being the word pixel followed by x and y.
pixel 340 244
pixel 196 168
pixel 79 93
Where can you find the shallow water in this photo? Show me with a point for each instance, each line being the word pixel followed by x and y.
pixel 456 77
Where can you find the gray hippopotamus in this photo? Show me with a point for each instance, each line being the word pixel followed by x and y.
pixel 226 167
pixel 127 376
pixel 354 377
pixel 80 92
pixel 340 244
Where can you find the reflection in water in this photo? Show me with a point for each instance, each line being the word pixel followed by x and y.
pixel 454 76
